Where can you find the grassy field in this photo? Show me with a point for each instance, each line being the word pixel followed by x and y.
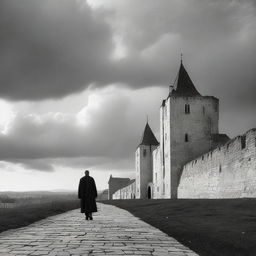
pixel 21 209
pixel 209 227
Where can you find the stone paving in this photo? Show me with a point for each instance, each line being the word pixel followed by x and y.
pixel 112 232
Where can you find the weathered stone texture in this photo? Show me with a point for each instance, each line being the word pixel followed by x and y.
pixel 144 166
pixel 157 174
pixel 226 172
pixel 198 124
pixel 127 192
pixel 116 183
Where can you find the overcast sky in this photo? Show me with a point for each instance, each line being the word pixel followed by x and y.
pixel 78 78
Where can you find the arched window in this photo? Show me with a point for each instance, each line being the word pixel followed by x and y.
pixel 187 109
pixel 186 137
pixel 144 152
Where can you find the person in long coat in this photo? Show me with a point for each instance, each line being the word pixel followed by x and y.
pixel 87 192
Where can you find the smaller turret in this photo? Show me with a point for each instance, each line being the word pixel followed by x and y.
pixel 148 138
pixel 144 162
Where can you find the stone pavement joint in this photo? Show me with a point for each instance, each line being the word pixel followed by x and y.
pixel 112 232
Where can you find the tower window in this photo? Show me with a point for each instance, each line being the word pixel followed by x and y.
pixel 243 141
pixel 187 109
pixel 186 137
pixel 216 107
pixel 144 152
pixel 220 169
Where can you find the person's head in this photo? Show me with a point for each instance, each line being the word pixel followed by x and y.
pixel 86 173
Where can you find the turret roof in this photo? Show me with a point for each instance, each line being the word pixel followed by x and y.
pixel 184 85
pixel 148 137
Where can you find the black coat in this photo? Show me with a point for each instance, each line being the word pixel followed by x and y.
pixel 87 192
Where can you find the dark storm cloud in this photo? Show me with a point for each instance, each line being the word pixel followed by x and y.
pixel 49 48
pixel 52 48
pixel 44 165
pixel 99 135
pixel 57 135
pixel 217 38
pixel 99 163
pixel 32 139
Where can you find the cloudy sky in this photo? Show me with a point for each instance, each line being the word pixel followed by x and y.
pixel 78 78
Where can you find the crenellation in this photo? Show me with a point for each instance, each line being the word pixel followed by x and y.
pixel 230 173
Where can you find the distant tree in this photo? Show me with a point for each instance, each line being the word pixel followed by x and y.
pixel 6 199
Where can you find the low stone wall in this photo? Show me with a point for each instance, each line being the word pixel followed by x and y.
pixel 226 172
pixel 117 195
pixel 127 192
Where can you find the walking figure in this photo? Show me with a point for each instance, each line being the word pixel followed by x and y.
pixel 87 192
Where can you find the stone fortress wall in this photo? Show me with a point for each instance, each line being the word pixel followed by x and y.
pixel 115 184
pixel 228 171
pixel 192 160
pixel 127 192
pixel 225 172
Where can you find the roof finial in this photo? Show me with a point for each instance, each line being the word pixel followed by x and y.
pixel 181 55
pixel 147 119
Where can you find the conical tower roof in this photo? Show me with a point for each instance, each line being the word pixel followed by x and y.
pixel 184 85
pixel 148 137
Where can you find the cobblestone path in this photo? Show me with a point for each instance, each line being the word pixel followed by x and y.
pixel 112 232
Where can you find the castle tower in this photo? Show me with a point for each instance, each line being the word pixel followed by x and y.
pixel 188 122
pixel 144 162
